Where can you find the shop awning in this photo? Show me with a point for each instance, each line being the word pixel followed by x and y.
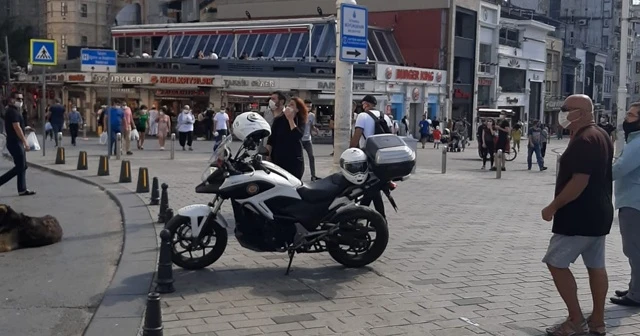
pixel 356 96
pixel 249 96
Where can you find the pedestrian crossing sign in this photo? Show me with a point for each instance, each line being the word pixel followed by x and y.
pixel 43 52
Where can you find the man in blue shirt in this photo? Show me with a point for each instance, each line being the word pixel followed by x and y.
pixel 56 117
pixel 626 174
pixel 115 117
pixel 424 130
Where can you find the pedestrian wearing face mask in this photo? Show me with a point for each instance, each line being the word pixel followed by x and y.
pixel 143 125
pixel 626 174
pixel 75 120
pixel 284 144
pixel 163 123
pixel 582 214
pixel 17 144
pixel 276 107
pixel 185 127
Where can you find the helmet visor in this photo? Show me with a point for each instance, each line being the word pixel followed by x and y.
pixel 355 167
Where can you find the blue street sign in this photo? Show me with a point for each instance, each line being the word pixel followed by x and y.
pixel 354 33
pixel 98 60
pixel 43 52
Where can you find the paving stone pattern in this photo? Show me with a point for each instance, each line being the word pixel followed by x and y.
pixel 463 259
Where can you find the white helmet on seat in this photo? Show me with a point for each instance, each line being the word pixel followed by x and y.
pixel 354 165
pixel 251 124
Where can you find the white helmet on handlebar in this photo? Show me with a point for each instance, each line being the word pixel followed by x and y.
pixel 251 124
pixel 354 165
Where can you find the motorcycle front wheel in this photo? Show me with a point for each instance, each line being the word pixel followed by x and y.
pixel 207 251
pixel 361 239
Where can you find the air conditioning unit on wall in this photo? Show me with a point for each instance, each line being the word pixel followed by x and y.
pixel 583 22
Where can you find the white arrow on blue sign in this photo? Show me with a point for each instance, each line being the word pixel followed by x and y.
pixel 354 33
pixel 98 60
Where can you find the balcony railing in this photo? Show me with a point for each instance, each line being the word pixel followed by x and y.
pixel 485 68
pixel 253 68
pixel 513 88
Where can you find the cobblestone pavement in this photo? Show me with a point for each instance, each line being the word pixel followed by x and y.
pixel 463 259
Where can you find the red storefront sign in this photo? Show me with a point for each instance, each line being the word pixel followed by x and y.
pixel 181 93
pixel 182 80
pixel 484 81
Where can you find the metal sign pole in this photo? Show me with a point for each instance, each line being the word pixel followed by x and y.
pixel 43 111
pixel 107 117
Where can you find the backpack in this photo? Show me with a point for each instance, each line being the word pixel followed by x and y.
pixel 381 126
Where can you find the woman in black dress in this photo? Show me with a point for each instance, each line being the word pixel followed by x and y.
pixel 284 145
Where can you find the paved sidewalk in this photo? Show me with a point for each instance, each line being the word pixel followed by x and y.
pixel 463 259
pixel 56 289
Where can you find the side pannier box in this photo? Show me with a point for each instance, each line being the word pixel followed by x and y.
pixel 390 157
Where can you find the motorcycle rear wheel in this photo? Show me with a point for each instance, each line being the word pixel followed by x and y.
pixel 358 238
pixel 179 226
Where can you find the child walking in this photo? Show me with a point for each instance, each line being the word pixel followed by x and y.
pixel 437 135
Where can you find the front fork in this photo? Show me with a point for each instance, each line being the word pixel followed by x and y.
pixel 199 228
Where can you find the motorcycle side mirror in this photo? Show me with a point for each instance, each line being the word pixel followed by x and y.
pixel 258 158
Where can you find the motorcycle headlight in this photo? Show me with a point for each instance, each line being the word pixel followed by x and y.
pixel 207 172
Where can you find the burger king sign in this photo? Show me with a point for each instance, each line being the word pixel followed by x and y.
pixel 391 73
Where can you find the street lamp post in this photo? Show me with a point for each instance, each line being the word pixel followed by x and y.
pixel 622 75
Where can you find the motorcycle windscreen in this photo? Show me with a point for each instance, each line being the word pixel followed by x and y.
pixel 295 182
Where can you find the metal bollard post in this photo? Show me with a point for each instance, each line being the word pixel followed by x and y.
pixel 444 159
pixel 59 135
pixel 557 164
pixel 164 274
pixel 173 146
pixel 499 164
pixel 84 132
pixel 118 145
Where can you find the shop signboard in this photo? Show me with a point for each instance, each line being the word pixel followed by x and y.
pixel 183 80
pixel 253 83
pixel 181 93
pixel 119 79
pixel 392 73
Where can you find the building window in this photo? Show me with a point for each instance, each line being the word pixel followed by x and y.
pixel 605 42
pixel 636 88
pixel 510 37
pixel 84 41
pixel 63 41
pixel 485 53
pixel 607 14
pixel 63 8
pixel 554 87
pixel 484 95
pixel 549 60
pixel 83 10
pixel 606 23
pixel 547 86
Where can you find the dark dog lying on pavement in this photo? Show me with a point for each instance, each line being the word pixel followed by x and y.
pixel 18 230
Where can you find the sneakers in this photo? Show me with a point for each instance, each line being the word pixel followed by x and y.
pixel 27 193
pixel 190 148
pixel 543 168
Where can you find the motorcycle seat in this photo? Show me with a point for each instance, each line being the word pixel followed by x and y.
pixel 324 189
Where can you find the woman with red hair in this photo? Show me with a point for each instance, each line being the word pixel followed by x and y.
pixel 284 144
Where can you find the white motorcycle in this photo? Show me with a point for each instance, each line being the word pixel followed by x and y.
pixel 275 212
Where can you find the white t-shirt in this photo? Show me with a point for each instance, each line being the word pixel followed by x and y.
pixel 221 119
pixel 368 125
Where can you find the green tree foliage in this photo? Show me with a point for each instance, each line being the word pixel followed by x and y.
pixel 19 37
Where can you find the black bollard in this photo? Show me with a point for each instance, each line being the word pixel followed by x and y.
pixel 168 214
pixel 155 192
pixel 164 205
pixel 164 275
pixel 153 316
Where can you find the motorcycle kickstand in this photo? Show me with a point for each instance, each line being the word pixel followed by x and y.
pixel 292 253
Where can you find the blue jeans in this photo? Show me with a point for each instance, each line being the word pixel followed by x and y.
pixel 535 149
pixel 19 170
pixel 57 128
pixel 112 138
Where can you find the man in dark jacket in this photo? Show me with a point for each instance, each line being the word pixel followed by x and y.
pixel 16 144
pixel 56 117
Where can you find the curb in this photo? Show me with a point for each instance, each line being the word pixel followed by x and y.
pixel 122 307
